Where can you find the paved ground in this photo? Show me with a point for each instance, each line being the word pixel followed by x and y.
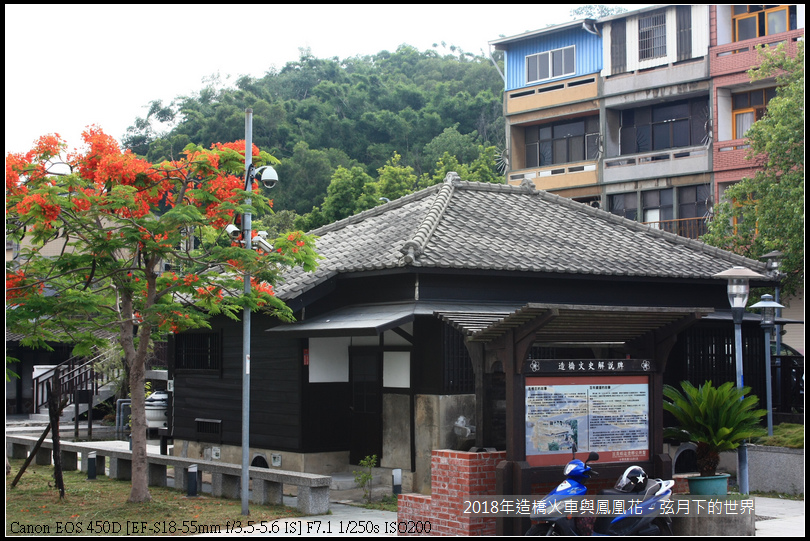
pixel 775 517
pixel 779 518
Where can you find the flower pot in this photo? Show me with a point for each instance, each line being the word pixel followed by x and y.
pixel 713 485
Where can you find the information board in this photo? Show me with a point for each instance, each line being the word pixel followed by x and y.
pixel 606 414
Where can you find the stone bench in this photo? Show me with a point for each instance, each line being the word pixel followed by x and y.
pixel 313 490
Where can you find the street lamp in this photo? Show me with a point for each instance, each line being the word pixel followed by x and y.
pixel 738 289
pixel 267 175
pixel 773 262
pixel 769 308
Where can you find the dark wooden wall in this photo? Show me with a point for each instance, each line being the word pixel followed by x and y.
pixel 275 390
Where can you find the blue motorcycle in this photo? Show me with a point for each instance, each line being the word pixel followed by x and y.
pixel 577 472
pixel 641 518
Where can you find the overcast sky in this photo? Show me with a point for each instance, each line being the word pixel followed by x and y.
pixel 69 66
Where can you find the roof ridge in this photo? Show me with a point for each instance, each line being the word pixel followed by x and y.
pixel 674 238
pixel 412 248
pixel 374 211
pixel 526 187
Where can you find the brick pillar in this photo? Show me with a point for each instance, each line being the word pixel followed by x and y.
pixel 455 477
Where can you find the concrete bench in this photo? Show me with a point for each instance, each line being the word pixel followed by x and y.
pixel 313 490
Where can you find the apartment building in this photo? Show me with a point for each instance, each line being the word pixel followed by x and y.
pixel 736 31
pixel 642 114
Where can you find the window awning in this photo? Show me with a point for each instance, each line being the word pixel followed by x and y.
pixel 374 319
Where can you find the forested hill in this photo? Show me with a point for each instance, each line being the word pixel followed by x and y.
pixel 415 113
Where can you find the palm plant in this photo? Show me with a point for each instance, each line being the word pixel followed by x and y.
pixel 716 419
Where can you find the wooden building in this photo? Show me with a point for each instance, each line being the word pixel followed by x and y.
pixel 431 313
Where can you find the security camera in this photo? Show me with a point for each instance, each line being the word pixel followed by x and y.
pixel 233 231
pixel 267 176
pixel 262 244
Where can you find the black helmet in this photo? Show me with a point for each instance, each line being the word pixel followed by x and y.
pixel 634 479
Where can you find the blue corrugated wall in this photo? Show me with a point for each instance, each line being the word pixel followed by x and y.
pixel 588 55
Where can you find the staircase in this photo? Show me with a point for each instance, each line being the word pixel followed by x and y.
pixel 97 375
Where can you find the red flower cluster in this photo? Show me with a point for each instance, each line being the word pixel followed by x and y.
pixel 238 146
pixel 38 204
pixel 17 289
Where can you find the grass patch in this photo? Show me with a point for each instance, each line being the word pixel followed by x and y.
pixel 99 508
pixel 788 435
pixel 387 503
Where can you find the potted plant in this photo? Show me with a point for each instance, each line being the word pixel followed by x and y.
pixel 715 419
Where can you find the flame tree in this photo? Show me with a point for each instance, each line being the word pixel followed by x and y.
pixel 112 242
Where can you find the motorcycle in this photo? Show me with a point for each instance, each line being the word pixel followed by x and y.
pixel 642 518
pixel 577 472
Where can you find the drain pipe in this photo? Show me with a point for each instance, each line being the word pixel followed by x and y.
pixel 120 420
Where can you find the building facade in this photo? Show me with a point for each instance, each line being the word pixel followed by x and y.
pixel 396 349
pixel 643 114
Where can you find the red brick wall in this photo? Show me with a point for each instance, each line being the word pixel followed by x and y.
pixel 455 476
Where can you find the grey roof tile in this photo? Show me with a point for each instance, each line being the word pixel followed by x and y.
pixel 466 225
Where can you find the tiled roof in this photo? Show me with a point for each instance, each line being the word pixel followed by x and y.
pixel 478 226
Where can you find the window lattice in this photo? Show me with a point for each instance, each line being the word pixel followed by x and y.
pixel 652 36
pixel 198 351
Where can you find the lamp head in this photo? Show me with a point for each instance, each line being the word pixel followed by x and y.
pixel 773 261
pixel 738 288
pixel 768 307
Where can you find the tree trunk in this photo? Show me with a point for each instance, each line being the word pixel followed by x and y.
pixel 54 411
pixel 136 359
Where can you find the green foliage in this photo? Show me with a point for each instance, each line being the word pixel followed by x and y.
pixel 788 435
pixel 482 169
pixel 278 223
pixel 766 212
pixel 11 374
pixel 118 244
pixel 305 177
pixel 595 11
pixel 394 180
pixel 463 147
pixel 345 190
pixel 389 502
pixel 321 114
pixel 717 419
pixel 364 477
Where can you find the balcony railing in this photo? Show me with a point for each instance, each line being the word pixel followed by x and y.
pixel 726 59
pixel 691 228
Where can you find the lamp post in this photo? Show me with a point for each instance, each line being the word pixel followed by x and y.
pixel 738 289
pixel 773 261
pixel 246 234
pixel 768 307
pixel 269 177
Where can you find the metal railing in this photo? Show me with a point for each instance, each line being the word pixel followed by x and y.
pixel 77 374
pixel 691 228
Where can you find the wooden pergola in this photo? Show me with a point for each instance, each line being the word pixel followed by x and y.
pixel 496 340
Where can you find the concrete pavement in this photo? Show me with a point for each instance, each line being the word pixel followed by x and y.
pixel 779 517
